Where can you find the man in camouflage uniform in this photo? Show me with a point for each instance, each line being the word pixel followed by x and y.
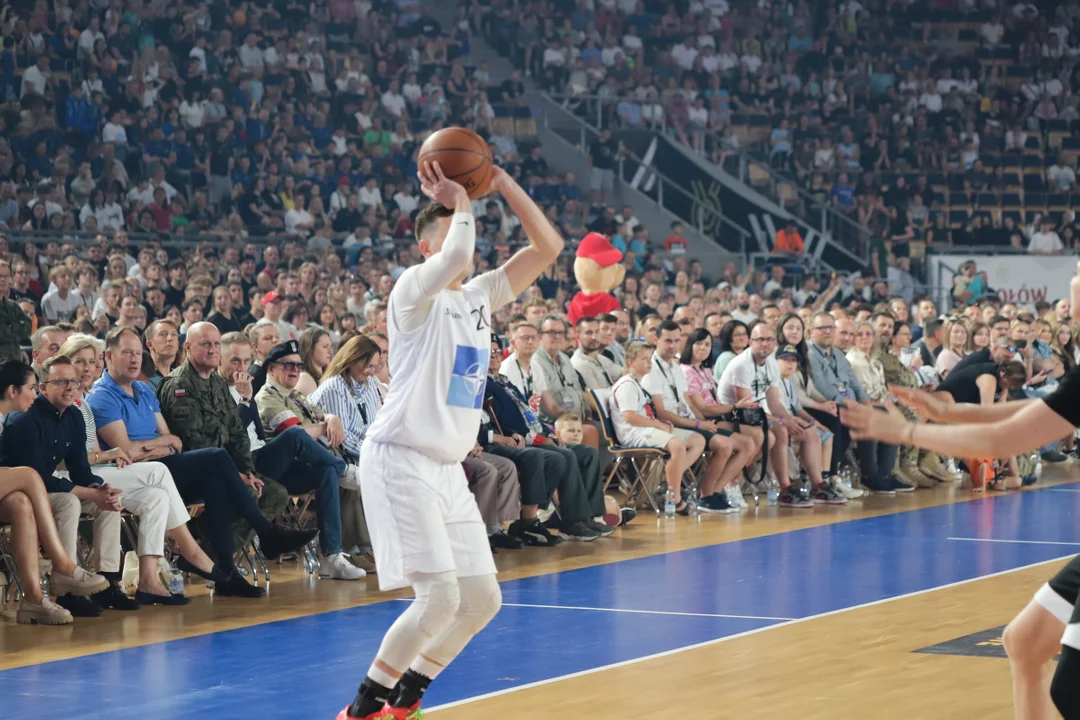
pixel 907 459
pixel 202 413
pixel 15 325
pixel 281 408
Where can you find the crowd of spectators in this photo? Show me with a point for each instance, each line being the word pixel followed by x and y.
pixel 929 124
pixel 177 166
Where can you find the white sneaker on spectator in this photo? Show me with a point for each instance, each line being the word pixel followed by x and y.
pixel 735 498
pixel 349 479
pixel 338 567
pixel 846 490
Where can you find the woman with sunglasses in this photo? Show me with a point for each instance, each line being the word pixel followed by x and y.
pixel 24 505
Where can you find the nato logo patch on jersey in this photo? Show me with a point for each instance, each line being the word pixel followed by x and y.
pixel 468 377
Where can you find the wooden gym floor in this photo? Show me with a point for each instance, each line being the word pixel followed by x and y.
pixel 884 608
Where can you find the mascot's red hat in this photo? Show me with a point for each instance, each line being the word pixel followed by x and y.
pixel 598 248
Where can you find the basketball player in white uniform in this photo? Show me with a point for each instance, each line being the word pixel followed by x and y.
pixel 425 526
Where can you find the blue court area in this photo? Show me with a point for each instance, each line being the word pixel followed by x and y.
pixel 565 622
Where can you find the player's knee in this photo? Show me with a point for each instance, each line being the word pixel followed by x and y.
pixel 481 599
pixel 1064 690
pixel 440 600
pixel 1020 640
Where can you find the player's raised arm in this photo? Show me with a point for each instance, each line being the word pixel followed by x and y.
pixel 445 265
pixel 545 242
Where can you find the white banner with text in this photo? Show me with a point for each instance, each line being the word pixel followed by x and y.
pixel 1020 279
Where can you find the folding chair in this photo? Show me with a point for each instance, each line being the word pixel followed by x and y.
pixel 7 557
pixel 293 515
pixel 642 461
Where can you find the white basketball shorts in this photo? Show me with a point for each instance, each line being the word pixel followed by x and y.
pixel 421 516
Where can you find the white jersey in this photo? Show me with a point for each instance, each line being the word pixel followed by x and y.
pixel 439 368
pixel 629 395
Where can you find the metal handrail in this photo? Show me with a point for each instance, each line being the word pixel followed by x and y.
pixel 707 220
pixel 822 217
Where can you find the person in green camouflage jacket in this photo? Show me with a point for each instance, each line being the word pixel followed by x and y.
pixel 15 326
pixel 202 413
pixel 907 459
pixel 924 469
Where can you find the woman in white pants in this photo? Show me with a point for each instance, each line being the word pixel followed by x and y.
pixel 147 490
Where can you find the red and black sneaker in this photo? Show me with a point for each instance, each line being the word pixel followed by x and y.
pixel 409 713
pixel 377 715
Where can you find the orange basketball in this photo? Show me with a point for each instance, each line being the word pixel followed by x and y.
pixel 463 156
pixel 239 18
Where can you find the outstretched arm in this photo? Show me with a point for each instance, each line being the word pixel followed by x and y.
pixel 545 242
pixel 1034 426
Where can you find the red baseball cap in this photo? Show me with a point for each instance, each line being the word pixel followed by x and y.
pixel 598 248
pixel 271 296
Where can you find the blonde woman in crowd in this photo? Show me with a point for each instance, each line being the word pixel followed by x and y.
pixel 954 348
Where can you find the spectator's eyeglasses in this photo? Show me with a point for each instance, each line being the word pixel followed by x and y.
pixel 554 333
pixel 63 383
pixel 825 328
pixel 763 340
pixel 298 366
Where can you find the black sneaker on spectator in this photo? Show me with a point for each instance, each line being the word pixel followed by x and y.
pixel 113 598
pixel 603 528
pixel 879 488
pixel 899 486
pixel 503 541
pixel 716 503
pixel 533 533
pixel 628 514
pixel 282 540
pixel 826 494
pixel 578 531
pixel 1054 457
pixel 79 606
pixel 237 586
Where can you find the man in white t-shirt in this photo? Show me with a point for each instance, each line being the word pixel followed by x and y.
pixel 1060 176
pixel 425 526
pixel 636 425
pixel 1046 241
pixel 596 370
pixel 754 373
pixel 667 386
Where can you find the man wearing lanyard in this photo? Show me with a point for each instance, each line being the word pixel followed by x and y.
pixel 530 378
pixel 834 379
pixel 566 386
pixel 754 375
pixel 730 452
pixel 598 372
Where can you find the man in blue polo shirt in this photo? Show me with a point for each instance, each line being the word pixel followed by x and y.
pixel 128 416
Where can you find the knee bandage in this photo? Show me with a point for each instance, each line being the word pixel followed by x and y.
pixel 436 605
pixel 481 599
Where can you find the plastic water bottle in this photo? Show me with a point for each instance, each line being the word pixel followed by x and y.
pixel 774 493
pixel 669 504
